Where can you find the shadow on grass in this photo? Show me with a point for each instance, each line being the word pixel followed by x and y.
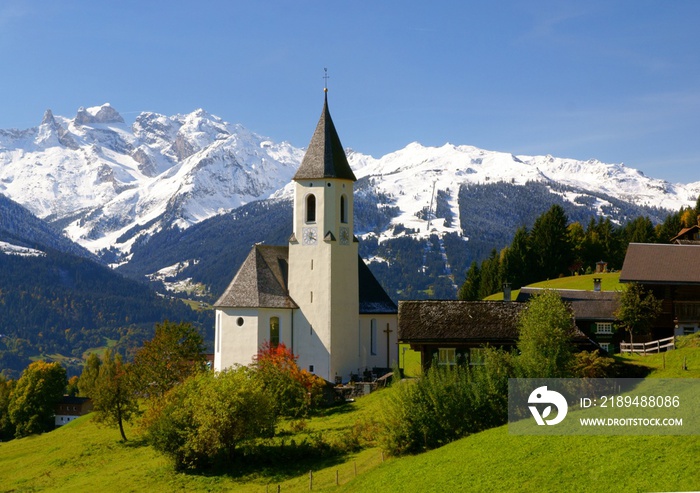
pixel 276 460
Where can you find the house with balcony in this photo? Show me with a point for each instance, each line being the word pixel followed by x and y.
pixel 672 273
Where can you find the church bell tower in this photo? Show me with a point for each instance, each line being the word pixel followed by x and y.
pixel 323 257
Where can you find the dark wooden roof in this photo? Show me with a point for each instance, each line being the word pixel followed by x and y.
pixel 373 298
pixel 458 321
pixel 653 263
pixel 586 305
pixel 325 156
pixel 464 322
pixel 262 282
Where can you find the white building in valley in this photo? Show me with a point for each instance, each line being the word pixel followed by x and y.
pixel 315 295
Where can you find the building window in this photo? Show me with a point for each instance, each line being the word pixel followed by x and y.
pixel 688 330
pixel 343 209
pixel 605 346
pixel 603 328
pixel 476 356
pixel 311 208
pixel 239 322
pixel 373 336
pixel 274 331
pixel 447 356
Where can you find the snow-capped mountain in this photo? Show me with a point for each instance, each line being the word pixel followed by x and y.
pixel 412 176
pixel 107 184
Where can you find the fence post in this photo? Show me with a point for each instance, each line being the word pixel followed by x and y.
pixel 336 477
pixel 311 480
pixel 355 468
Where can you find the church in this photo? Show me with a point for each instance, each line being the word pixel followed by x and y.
pixel 315 295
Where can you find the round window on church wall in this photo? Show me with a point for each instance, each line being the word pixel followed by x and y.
pixel 239 321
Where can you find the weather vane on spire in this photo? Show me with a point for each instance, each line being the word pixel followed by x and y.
pixel 325 79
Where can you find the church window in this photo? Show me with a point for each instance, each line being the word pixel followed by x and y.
pixel 239 322
pixel 274 331
pixel 373 336
pixel 343 209
pixel 311 208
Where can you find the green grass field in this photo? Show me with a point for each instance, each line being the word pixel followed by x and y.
pixel 81 455
pixel 610 281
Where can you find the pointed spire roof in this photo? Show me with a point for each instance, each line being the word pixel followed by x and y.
pixel 325 157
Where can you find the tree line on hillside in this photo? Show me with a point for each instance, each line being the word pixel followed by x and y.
pixel 63 304
pixel 555 247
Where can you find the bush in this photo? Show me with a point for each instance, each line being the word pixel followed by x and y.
pixel 593 365
pixel 446 404
pixel 294 391
pixel 200 423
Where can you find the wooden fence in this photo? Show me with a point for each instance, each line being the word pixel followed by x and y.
pixel 651 347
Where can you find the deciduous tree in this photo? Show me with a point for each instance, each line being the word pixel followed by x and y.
pixel 544 340
pixel 637 310
pixel 33 401
pixel 113 394
pixel 175 353
pixel 200 423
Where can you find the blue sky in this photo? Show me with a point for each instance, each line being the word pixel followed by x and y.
pixel 617 81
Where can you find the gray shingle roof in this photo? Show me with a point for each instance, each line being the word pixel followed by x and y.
pixel 661 264
pixel 458 320
pixel 586 305
pixel 464 321
pixel 325 156
pixel 261 282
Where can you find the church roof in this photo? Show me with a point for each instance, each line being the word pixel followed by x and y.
pixel 261 282
pixel 325 157
pixel 373 298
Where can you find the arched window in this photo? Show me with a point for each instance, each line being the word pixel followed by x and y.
pixel 274 331
pixel 343 209
pixel 311 208
pixel 373 336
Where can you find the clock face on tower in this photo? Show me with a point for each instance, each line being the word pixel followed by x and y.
pixel 344 236
pixel 309 236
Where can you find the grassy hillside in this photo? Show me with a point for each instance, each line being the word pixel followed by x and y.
pixel 494 460
pixel 610 281
pixel 81 455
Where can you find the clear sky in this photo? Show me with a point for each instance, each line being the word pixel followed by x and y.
pixel 617 81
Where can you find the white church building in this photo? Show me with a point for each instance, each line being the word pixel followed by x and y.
pixel 315 295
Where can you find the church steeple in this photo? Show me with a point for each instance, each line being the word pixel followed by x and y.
pixel 325 157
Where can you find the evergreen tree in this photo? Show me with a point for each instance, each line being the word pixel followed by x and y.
pixel 515 267
pixel 550 243
pixel 470 288
pixel 490 275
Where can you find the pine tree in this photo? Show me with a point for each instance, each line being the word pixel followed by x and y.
pixel 470 288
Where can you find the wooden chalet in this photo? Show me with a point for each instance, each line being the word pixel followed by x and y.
pixel 594 313
pixel 672 272
pixel 455 332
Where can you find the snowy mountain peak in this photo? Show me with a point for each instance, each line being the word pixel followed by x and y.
pixel 98 114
